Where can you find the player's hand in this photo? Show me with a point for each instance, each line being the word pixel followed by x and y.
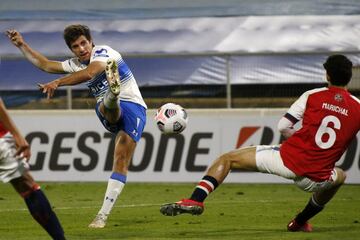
pixel 49 88
pixel 22 148
pixel 15 37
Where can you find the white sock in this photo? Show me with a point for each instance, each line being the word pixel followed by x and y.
pixel 110 100
pixel 113 190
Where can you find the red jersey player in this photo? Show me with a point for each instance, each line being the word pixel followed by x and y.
pixel 14 154
pixel 330 120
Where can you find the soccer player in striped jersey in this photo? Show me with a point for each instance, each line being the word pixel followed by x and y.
pixel 120 106
pixel 14 154
pixel 330 121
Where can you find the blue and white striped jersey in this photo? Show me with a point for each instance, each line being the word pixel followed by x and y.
pixel 99 85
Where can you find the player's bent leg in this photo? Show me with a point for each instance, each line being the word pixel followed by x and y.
pixel 112 115
pixel 110 107
pixel 38 205
pixel 112 76
pixel 243 158
pixel 109 118
pixel 238 159
pixel 323 196
pixel 124 149
pixel 323 192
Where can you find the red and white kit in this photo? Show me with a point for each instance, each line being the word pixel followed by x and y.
pixel 11 167
pixel 330 120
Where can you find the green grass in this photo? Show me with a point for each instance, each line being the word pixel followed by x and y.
pixel 233 211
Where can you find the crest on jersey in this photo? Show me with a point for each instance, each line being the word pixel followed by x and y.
pixel 101 53
pixel 338 97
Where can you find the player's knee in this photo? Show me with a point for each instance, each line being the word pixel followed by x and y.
pixel 225 158
pixel 233 160
pixel 25 188
pixel 33 188
pixel 340 176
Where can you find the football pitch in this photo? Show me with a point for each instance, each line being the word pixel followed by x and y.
pixel 233 211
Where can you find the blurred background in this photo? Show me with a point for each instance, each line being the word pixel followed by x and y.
pixel 198 53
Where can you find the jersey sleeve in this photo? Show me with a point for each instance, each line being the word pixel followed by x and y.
pixel 286 127
pixel 70 65
pixel 297 109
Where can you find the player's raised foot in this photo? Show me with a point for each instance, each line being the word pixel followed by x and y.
pixel 293 226
pixel 99 221
pixel 183 206
pixel 113 77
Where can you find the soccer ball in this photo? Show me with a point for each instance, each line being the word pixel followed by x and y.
pixel 171 118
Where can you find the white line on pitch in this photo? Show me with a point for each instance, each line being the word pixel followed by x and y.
pixel 153 205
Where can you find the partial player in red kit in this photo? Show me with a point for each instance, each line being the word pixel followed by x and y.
pixel 14 154
pixel 330 121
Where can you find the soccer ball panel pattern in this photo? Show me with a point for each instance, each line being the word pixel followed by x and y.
pixel 171 118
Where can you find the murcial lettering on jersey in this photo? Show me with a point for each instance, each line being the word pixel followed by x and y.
pixel 335 108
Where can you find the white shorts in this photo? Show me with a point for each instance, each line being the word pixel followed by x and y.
pixel 11 167
pixel 268 160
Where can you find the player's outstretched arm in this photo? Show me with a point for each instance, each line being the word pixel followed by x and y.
pixel 75 78
pixel 23 147
pixel 33 56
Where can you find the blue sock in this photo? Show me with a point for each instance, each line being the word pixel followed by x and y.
pixel 119 177
pixel 41 211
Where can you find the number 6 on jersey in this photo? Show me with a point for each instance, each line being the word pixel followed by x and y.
pixel 325 129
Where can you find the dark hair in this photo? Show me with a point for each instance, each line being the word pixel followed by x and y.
pixel 339 69
pixel 73 32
